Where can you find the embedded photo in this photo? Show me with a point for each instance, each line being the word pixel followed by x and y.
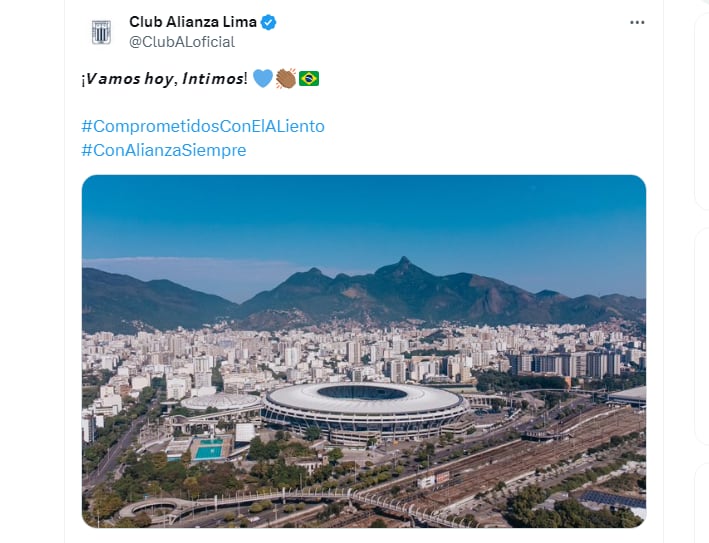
pixel 361 351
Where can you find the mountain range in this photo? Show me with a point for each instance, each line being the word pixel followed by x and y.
pixel 393 294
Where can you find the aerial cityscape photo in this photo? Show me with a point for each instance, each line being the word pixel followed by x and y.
pixel 363 352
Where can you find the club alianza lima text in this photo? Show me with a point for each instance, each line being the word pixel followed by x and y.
pixel 180 21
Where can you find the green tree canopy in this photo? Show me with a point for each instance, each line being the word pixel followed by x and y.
pixel 312 433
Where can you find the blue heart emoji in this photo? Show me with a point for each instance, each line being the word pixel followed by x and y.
pixel 263 77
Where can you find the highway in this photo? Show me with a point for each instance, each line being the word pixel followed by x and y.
pixel 110 461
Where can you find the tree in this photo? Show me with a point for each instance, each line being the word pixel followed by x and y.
pixel 146 395
pixel 272 449
pixel 379 523
pixel 424 451
pixel 258 450
pixel 222 424
pixel 159 460
pixel 142 520
pixel 256 508
pixel 217 380
pixel 312 433
pixel 334 455
pixel 322 474
pixel 191 486
pixel 105 504
pixel 186 458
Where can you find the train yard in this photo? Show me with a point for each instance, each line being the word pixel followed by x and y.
pixel 471 481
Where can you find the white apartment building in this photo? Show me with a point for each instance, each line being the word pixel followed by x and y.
pixel 139 382
pixel 88 426
pixel 177 387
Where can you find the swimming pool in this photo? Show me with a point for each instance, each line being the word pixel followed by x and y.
pixel 211 442
pixel 208 453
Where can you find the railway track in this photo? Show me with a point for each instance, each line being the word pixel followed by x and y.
pixel 483 471
pixel 346 520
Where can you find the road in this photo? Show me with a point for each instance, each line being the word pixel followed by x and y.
pixel 110 461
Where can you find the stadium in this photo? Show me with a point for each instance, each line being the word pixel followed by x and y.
pixel 353 413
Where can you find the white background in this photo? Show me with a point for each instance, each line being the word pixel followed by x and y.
pixel 494 106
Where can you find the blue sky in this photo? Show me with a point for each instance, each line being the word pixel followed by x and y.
pixel 237 235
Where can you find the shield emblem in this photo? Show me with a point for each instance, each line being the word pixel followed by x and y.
pixel 101 32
